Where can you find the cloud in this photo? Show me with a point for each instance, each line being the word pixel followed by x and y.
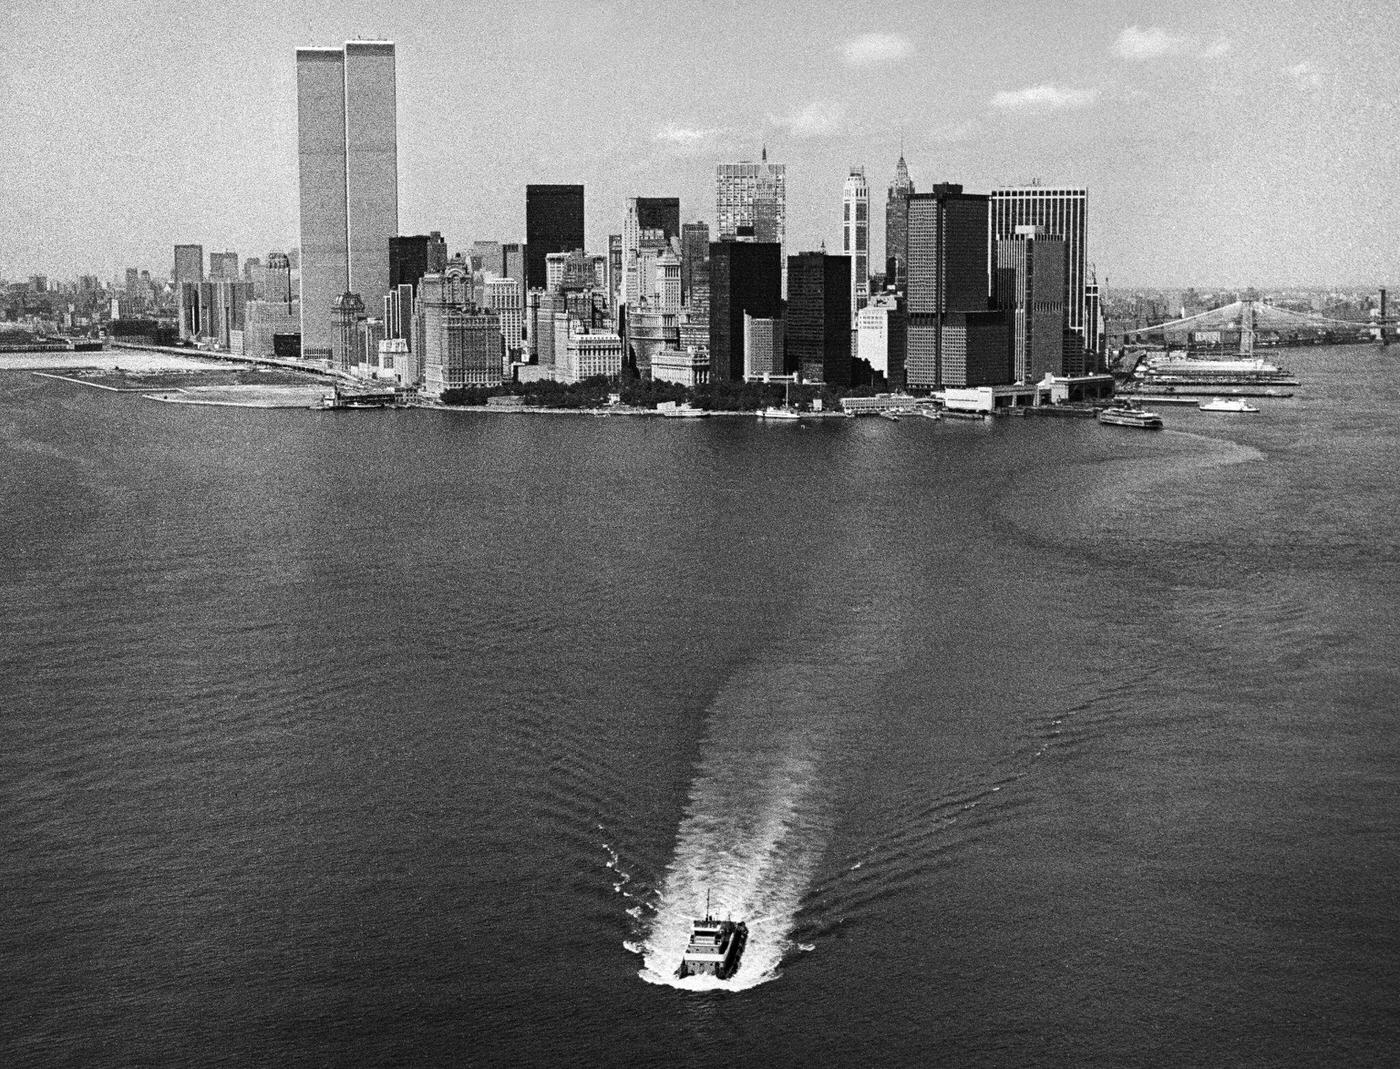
pixel 1153 42
pixel 1042 98
pixel 1305 75
pixel 689 138
pixel 876 49
pixel 820 118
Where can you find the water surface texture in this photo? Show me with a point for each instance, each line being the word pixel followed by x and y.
pixel 410 737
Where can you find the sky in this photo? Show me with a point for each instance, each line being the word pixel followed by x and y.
pixel 1229 144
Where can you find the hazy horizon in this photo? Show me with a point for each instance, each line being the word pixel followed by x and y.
pixel 1240 146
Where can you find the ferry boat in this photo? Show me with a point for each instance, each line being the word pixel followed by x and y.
pixel 1226 404
pixel 714 948
pixel 774 412
pixel 1128 416
pixel 684 410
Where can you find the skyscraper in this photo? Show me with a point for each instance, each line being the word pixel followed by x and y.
pixel 411 256
pixel 752 195
pixel 817 331
pixel 947 273
pixel 189 264
pixel 745 276
pixel 347 144
pixel 645 213
pixel 880 327
pixel 695 254
pixel 223 265
pixel 553 223
pixel 1060 213
pixel 1030 286
pixel 897 227
pixel 855 236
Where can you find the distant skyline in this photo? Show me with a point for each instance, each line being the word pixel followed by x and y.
pixel 1241 144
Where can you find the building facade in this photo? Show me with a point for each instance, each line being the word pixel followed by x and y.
pixel 347 311
pixel 817 334
pixel 189 264
pixel 880 334
pixel 763 347
pixel 411 256
pixel 897 227
pixel 1029 283
pixel 1062 213
pixel 948 250
pixel 223 265
pixel 745 277
pixel 752 195
pixel 588 354
pixel 503 298
pixel 855 239
pixel 347 155
pixel 553 223
pixel 695 260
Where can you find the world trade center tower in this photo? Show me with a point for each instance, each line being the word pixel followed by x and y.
pixel 347 154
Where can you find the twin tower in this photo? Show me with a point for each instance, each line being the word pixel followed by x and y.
pixel 348 157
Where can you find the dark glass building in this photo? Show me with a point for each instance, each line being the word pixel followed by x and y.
pixel 818 329
pixel 415 255
pixel 695 255
pixel 553 223
pixel 659 213
pixel 745 276
pixel 948 255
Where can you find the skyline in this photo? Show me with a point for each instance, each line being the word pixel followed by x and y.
pixel 977 99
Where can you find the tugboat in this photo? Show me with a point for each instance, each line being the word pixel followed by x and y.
pixel 715 947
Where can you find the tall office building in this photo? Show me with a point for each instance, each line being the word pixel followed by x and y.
pixel 817 331
pixel 880 328
pixel 695 255
pixel 947 273
pixel 752 195
pixel 1061 213
pixel 456 346
pixel 347 311
pixel 503 298
pixel 553 223
pixel 513 257
pixel 763 347
pixel 411 256
pixel 661 214
pixel 223 265
pixel 277 280
pixel 855 240
pixel 488 258
pixel 347 144
pixel 897 227
pixel 1029 285
pixel 189 264
pixel 745 277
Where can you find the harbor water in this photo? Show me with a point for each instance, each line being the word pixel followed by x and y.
pixel 419 737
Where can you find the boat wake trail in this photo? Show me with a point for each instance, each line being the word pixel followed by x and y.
pixel 757 818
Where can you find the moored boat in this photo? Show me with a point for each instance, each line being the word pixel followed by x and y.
pixel 774 412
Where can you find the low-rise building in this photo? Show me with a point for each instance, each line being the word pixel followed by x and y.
pixel 685 367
